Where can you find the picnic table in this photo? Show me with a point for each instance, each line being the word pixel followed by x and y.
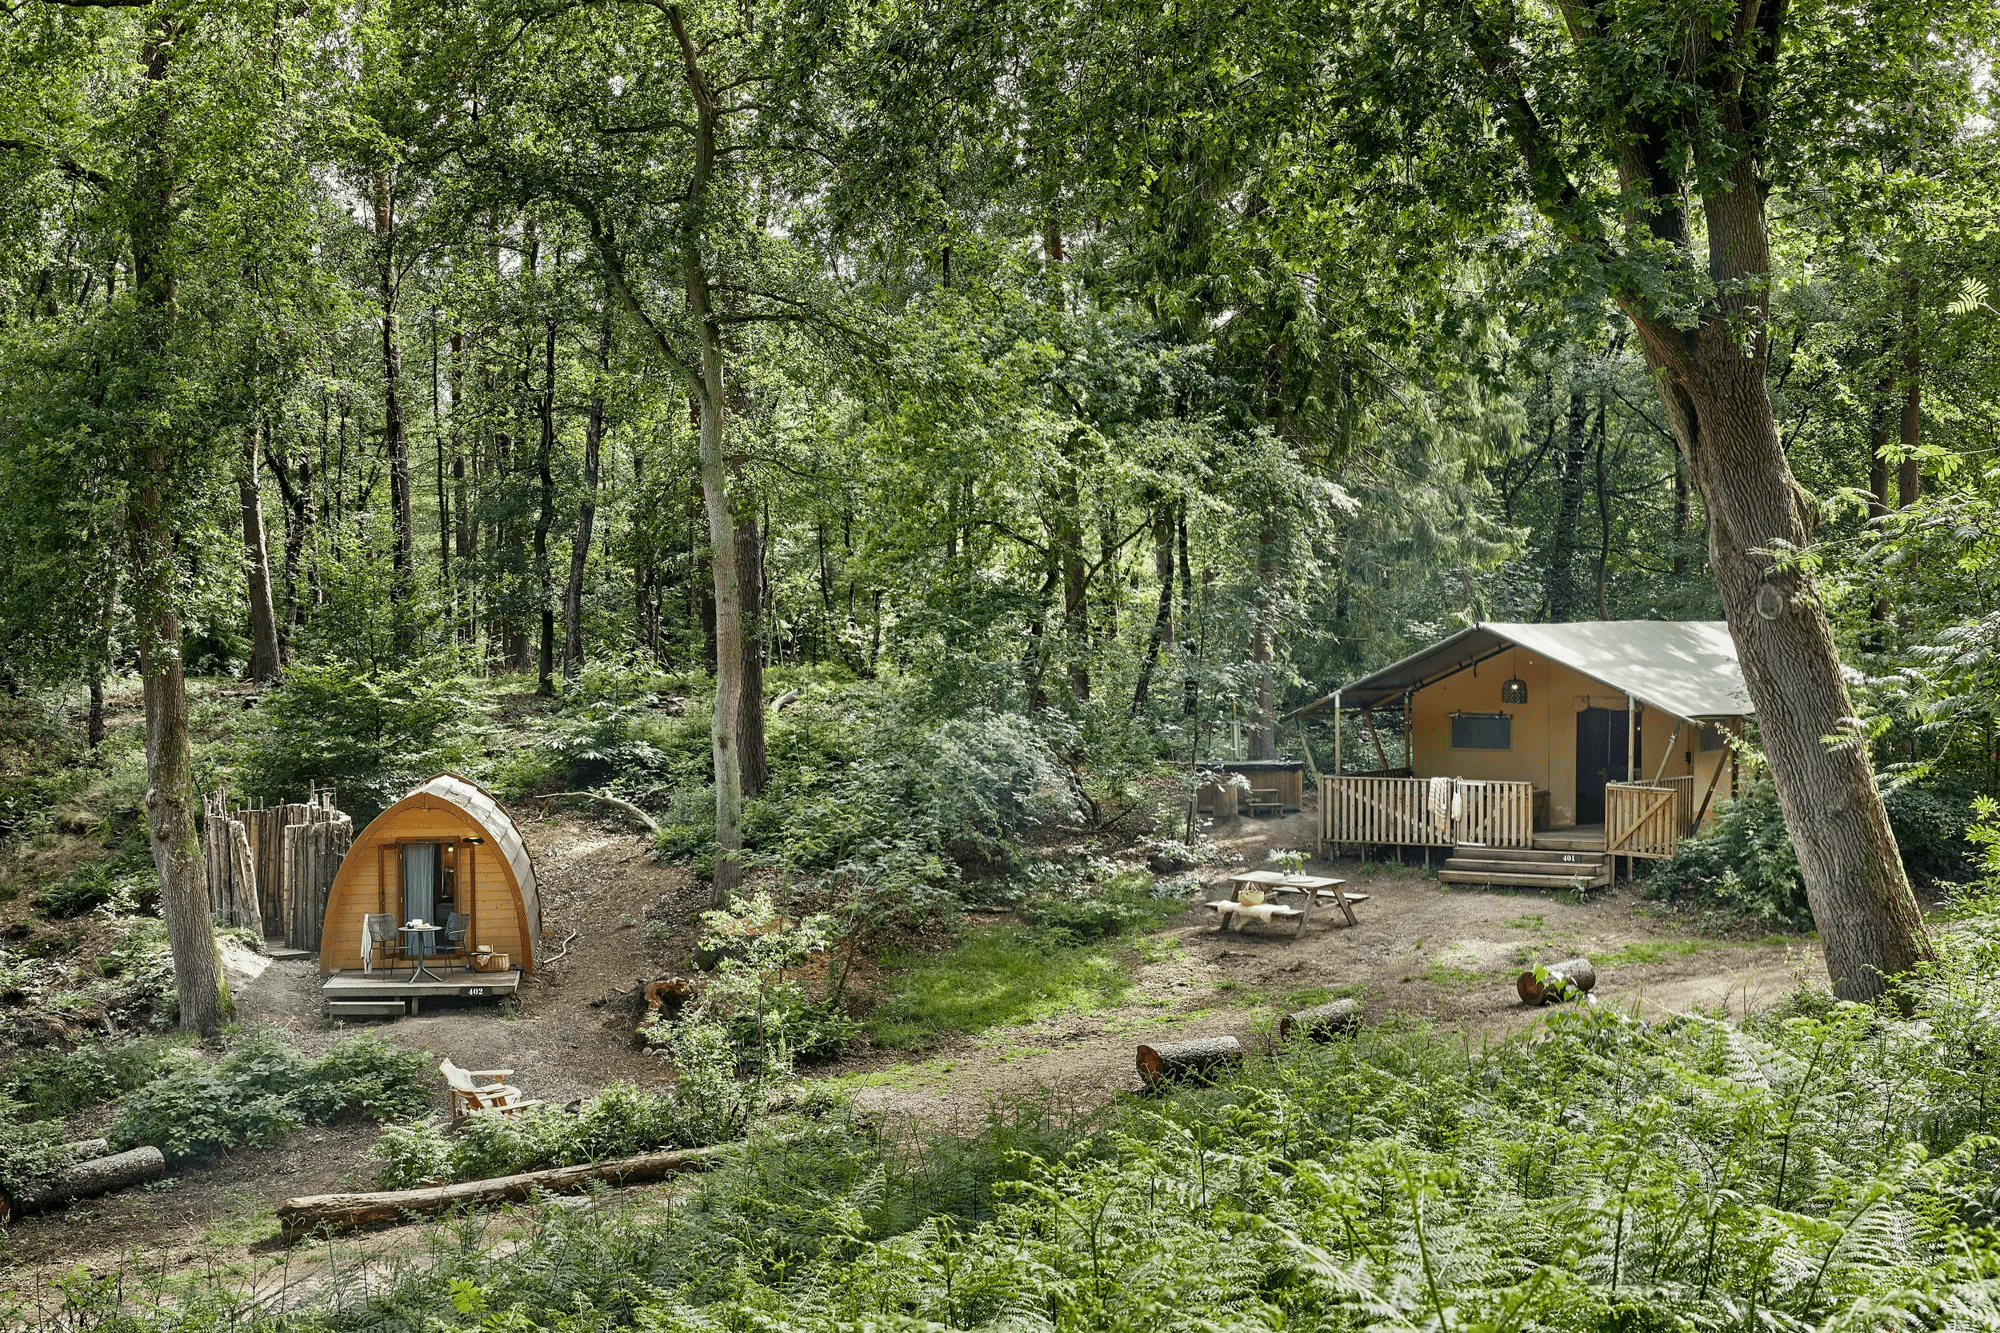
pixel 1315 889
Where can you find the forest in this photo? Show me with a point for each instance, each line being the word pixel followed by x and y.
pixel 873 457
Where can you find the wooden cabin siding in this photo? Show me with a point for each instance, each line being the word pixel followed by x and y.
pixel 370 881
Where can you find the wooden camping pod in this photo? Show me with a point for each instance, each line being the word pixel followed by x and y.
pixel 493 880
pixel 1561 978
pixel 1336 1018
pixel 1180 1059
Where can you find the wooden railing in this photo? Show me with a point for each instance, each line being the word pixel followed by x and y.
pixel 1647 819
pixel 1397 812
pixel 1495 814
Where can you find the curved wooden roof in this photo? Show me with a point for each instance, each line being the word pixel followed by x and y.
pixel 479 806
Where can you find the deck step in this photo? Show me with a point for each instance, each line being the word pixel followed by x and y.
pixel 1525 881
pixel 364 1008
pixel 1477 866
pixel 1550 855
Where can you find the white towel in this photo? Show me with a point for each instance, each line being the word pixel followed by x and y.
pixel 367 948
pixel 1443 802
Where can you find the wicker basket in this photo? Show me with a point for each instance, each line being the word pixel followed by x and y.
pixel 489 962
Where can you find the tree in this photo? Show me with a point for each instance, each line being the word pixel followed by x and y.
pixel 1701 112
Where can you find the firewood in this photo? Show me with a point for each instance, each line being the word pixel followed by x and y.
pixel 1180 1059
pixel 1568 980
pixel 1336 1018
pixel 83 1180
pixel 312 1213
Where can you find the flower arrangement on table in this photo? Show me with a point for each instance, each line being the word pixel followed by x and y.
pixel 1290 861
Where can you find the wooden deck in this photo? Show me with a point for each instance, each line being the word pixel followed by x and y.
pixel 380 993
pixel 1581 838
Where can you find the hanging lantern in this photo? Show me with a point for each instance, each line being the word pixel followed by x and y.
pixel 1514 691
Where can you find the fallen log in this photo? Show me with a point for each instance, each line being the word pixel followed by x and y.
pixel 313 1213
pixel 1336 1018
pixel 86 1179
pixel 623 807
pixel 1570 980
pixel 1181 1059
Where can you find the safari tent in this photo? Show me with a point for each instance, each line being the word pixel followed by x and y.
pixel 1536 749
pixel 445 847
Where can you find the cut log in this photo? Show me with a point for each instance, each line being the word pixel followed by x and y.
pixel 1183 1059
pixel 83 1180
pixel 1569 980
pixel 1323 1022
pixel 313 1213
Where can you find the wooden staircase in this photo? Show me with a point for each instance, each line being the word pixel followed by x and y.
pixel 1527 867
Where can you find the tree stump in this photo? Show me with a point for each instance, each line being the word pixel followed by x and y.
pixel 1184 1059
pixel 1336 1018
pixel 83 1180
pixel 1570 980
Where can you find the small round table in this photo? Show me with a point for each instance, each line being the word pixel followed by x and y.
pixel 417 940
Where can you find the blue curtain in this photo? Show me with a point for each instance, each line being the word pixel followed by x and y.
pixel 420 863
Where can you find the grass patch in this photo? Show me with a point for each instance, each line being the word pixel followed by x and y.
pixel 995 975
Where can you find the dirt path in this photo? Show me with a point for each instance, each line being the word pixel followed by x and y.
pixel 1421 952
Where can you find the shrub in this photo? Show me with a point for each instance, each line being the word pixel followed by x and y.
pixel 370 734
pixel 1743 864
pixel 119 883
pixel 1930 823
pixel 621 1121
pixel 264 1089
pixel 31 1149
pixel 1083 913
pixel 56 1084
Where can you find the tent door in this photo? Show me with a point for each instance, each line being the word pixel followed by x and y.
pixel 1600 758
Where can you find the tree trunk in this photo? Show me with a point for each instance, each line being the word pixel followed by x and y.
pixel 100 659
pixel 1718 403
pixel 1190 684
pixel 1162 637
pixel 1183 1059
pixel 313 1213
pixel 750 706
pixel 1067 533
pixel 1263 614
pixel 586 510
pixel 151 534
pixel 264 664
pixel 1603 511
pixel 84 1180
pixel 545 516
pixel 395 437
pixel 1560 590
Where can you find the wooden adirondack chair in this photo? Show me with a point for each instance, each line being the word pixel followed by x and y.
pixel 468 1096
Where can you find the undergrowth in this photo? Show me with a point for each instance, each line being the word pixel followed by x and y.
pixel 1071 956
pixel 263 1089
pixel 1827 1166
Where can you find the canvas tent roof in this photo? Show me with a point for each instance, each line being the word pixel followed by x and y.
pixel 1687 667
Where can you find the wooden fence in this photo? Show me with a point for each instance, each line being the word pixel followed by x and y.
pixel 1648 819
pixel 270 867
pixel 1400 812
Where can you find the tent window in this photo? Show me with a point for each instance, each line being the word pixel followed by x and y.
pixel 1482 731
pixel 1713 738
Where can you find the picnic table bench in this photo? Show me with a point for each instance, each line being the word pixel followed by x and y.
pixel 1263 800
pixel 1315 889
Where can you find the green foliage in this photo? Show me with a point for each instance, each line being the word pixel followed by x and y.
pixel 753 1000
pixel 1931 820
pixel 1079 911
pixel 1743 863
pixel 994 975
pixel 369 734
pixel 58 1083
pixel 119 883
pixel 263 1089
pixel 1828 1166
pixel 31 1149
pixel 621 1121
